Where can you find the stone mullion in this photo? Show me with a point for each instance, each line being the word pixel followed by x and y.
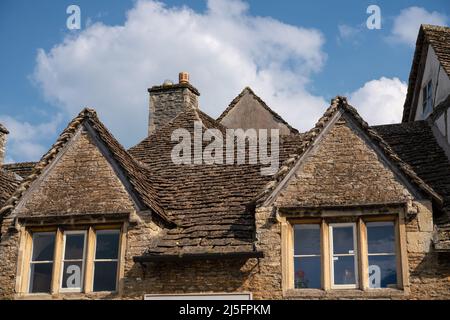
pixel 57 260
pixel 89 265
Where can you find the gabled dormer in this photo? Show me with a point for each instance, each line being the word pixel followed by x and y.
pixel 428 96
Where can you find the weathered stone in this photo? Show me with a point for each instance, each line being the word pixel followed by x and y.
pixel 419 241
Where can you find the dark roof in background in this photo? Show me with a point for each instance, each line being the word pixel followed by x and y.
pixel 23 169
pixel 257 98
pixel 414 142
pixel 439 38
pixel 209 203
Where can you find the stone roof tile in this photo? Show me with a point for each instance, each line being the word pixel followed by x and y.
pixel 209 203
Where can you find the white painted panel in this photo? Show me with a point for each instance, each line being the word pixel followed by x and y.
pixel 440 123
pixel 440 83
pixel 200 296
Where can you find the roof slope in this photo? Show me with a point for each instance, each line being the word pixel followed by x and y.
pixel 134 173
pixel 414 142
pixel 3 129
pixel 8 184
pixel 23 169
pixel 263 104
pixel 209 203
pixel 439 38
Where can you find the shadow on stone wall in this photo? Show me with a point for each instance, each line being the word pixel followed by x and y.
pixel 430 275
pixel 189 277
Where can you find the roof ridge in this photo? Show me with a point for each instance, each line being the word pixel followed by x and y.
pixel 3 129
pixel 412 123
pixel 426 26
pixel 312 134
pixel 249 90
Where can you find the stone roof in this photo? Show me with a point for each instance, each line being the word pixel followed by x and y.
pixel 135 174
pixel 3 129
pixel 210 208
pixel 22 169
pixel 8 184
pixel 257 98
pixel 439 38
pixel 209 203
pixel 414 142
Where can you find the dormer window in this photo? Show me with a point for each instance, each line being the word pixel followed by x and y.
pixel 427 98
pixel 58 260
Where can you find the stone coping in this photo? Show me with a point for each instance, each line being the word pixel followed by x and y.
pixel 337 294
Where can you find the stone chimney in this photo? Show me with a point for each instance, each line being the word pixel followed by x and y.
pixel 3 133
pixel 169 99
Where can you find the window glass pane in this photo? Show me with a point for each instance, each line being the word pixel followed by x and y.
pixel 40 277
pixel 307 272
pixel 343 240
pixel 105 276
pixel 344 270
pixel 307 239
pixel 382 272
pixel 72 274
pixel 381 237
pixel 43 246
pixel 107 245
pixel 74 246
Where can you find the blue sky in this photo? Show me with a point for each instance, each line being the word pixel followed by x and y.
pixel 296 55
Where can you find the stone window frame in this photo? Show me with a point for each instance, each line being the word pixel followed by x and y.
pixel 332 216
pixel 25 251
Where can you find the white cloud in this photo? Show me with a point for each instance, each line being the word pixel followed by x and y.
pixel 349 33
pixel 380 101
pixel 407 23
pixel 346 31
pixel 224 49
pixel 25 141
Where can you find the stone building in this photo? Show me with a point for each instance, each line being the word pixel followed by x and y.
pixel 353 211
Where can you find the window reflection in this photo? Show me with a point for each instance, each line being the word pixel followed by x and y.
pixel 382 258
pixel 307 259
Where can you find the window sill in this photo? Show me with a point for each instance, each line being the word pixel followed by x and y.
pixel 68 296
pixel 337 294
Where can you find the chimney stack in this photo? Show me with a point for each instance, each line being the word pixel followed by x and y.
pixel 169 99
pixel 3 133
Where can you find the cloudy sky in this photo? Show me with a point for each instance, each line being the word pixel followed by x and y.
pixel 296 55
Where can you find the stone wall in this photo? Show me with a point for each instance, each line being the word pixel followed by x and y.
pixel 429 270
pixel 166 102
pixel 9 247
